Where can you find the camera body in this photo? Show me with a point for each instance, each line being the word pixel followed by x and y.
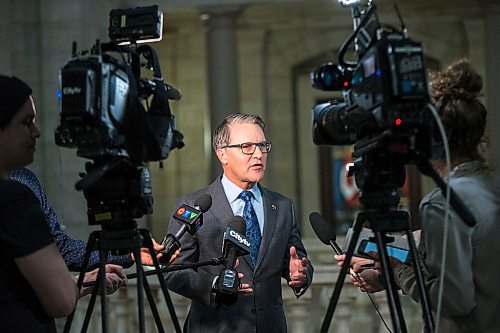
pixel 117 117
pixel 386 90
pixel 103 95
pixel 384 111
pixel 390 81
pixel 94 106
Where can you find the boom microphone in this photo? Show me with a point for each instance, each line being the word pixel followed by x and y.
pixel 191 220
pixel 234 244
pixel 324 231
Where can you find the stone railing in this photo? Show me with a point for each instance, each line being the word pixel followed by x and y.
pixel 354 311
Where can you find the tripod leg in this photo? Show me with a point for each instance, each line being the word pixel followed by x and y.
pixel 147 238
pixel 91 304
pixel 343 272
pixel 140 295
pixel 152 306
pixel 91 244
pixel 424 296
pixel 392 294
pixel 101 277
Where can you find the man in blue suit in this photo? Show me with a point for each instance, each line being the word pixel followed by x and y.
pixel 241 146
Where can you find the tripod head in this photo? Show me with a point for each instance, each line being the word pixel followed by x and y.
pixel 117 191
pixel 379 170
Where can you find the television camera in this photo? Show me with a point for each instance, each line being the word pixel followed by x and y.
pixel 385 113
pixel 121 120
pixel 118 118
pixel 384 110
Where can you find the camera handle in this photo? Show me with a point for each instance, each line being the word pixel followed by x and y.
pixel 133 239
pixel 381 223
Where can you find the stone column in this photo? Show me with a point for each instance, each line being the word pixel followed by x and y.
pixel 222 65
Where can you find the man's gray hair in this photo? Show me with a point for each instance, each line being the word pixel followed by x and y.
pixel 221 134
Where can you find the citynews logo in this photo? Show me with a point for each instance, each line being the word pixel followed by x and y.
pixel 72 90
pixel 239 238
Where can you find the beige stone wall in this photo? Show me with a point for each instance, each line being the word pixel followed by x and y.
pixel 272 41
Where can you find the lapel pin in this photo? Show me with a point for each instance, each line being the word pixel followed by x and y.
pixel 273 206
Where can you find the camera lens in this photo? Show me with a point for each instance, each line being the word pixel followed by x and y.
pixel 327 125
pixel 327 77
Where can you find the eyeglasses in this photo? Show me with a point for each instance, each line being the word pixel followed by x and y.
pixel 248 148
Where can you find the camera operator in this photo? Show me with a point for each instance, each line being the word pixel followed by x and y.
pixel 471 296
pixel 35 284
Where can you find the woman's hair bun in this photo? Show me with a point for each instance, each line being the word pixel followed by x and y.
pixel 458 81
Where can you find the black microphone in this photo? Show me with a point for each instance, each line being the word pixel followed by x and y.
pixel 191 220
pixel 326 234
pixel 234 245
pixel 324 231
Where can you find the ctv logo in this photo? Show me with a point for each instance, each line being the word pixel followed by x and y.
pixel 186 213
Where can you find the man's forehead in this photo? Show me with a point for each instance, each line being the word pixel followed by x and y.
pixel 244 128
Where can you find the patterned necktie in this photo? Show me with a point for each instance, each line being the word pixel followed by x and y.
pixel 253 229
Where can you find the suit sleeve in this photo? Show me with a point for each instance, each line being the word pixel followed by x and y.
pixel 295 239
pixel 195 284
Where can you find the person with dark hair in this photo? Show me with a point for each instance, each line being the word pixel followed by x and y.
pixel 35 284
pixel 471 295
pixel 272 229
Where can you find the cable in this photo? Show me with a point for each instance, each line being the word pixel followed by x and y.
pixel 446 215
pixel 362 287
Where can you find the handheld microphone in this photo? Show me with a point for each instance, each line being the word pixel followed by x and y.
pixel 326 234
pixel 234 245
pixel 324 231
pixel 190 219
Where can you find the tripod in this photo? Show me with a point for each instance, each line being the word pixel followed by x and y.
pixel 130 240
pixel 382 221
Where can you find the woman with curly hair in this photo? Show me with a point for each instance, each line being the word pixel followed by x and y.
pixel 471 294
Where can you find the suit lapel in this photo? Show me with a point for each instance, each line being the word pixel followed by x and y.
pixel 270 214
pixel 220 206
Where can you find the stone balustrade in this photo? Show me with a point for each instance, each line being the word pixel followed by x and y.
pixel 354 312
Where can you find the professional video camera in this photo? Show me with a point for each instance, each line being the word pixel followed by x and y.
pixel 386 114
pixel 117 118
pixel 385 100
